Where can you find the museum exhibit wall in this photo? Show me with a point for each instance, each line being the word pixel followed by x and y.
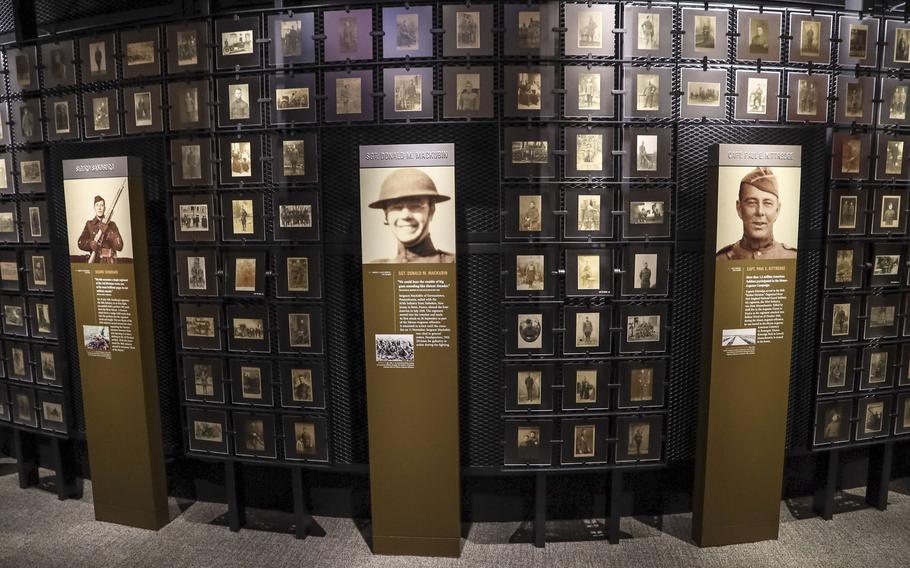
pixel 581 154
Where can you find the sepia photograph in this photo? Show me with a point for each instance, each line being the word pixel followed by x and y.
pixel 347 95
pixel 239 108
pixel 29 124
pixel 305 438
pixel 639 439
pixel 43 318
pixel 529 91
pixel 886 264
pixel 140 53
pixel 646 212
pixel 245 274
pixel 251 382
pixel 647 92
pixel 589 152
pixel 467 30
pixel 9 271
pixel 641 384
pixel 289 34
pixel 897 108
pixel 528 442
pixel 810 38
pixel 878 367
pixel 299 330
pixel 468 87
pixel 757 93
pixel 703 94
pixel 348 38
pixel 30 171
pixel 902 45
pixel 834 424
pixel 18 355
pixel 843 270
pixel 194 217
pixel 23 66
pixel 588 272
pixel 101 118
pixel 7 222
pixel 855 99
pixel 529 213
pixel 587 330
pixel 24 408
pixel 529 272
pixel 891 212
pixel 643 328
pixel 13 315
pixel 97 57
pixel 242 220
pixel 646 152
pixel 61 112
pixel 408 93
pixel 530 328
pixel 196 277
pixel 247 328
pixel 807 97
pixel 644 278
pixel 840 320
pixel 241 165
pixel 203 379
pixel 39 273
pixel 881 316
pixel 4 181
pixel 200 326
pixel 589 213
pixel 293 158
pixel 295 216
pixel 758 36
pixel 142 108
pixel 529 29
pixel 584 442
pixel 191 161
pixel 590 29
pixel 873 419
pixel 298 277
pixel 856 45
pixel 407 32
pixel 34 222
pixel 531 152
pixel 648 31
pixel 585 386
pixel 837 371
pixel 238 42
pixel 254 435
pixel 212 432
pixel 394 347
pixel 296 98
pixel 705 33
pixel 302 385
pixel 48 367
pixel 188 106
pixel 894 157
pixel 588 91
pixel 187 48
pixel 529 387
pixel 851 151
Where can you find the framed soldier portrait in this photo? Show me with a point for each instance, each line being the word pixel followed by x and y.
pixel 888 264
pixel 36 228
pixel 839 317
pixel 305 438
pixel 191 162
pixel 903 375
pixel 248 328
pixel 203 379
pixel 236 41
pixel 584 440
pixel 18 363
pixel 529 28
pixel 528 442
pixel 850 155
pixel 879 363
pixel 193 217
pixel 873 417
pixel 643 328
pixel 251 381
pixel 101 113
pixel 295 158
pixel 28 118
pixel 62 123
pixel 857 41
pixel 14 315
pixel 530 271
pixel 200 326
pixel 897 44
pixel 142 109
pixel 836 371
pixel 9 223
pixel 243 218
pixel 529 91
pixel 53 416
pixel 50 365
pixel 759 36
pixel 854 99
pixel 4 124
pixel 847 212
pixel 189 105
pixel 293 98
pixel 300 329
pixel 291 38
pixel 648 32
pixel 468 30
pixel 757 95
pixel 704 93
pixel 296 216
pixel 5 415
pixel 845 265
pixel 892 159
pixel 59 64
pixel 708 37
pixel 529 152
pixel 589 152
pixel 810 40
pixel 7 185
pixel 586 386
pixel 98 58
pixel 208 430
pixel 24 408
pixel 349 95
pixel 648 92
pixel 645 270
pixel 348 35
pixel 241 159
pixel 647 152
pixel 589 271
pixel 238 101
pixel 529 213
pixel 468 92
pixel 832 421
pixel 9 270
pixel 894 109
pixel 889 212
pixel 43 315
pixel 188 47
pixel 141 52
pixel 302 384
pixel 589 213
pixel 589 91
pixel 529 387
pixel 587 330
pixel 807 97
pixel 589 29
pixel 32 178
pixel 22 64
pixel 902 418
pixel 254 435
pixel 638 438
pixel 641 383
pixel 882 316
pixel 298 272
pixel 646 213
pixel 245 271
pixel 407 93
pixel 529 329
pixel 39 274
pixel 406 32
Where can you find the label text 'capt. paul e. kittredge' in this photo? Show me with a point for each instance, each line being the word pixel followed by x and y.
pixel 741 155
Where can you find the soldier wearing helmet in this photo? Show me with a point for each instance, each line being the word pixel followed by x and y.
pixel 758 205
pixel 408 198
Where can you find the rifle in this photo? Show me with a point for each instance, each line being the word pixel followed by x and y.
pixel 102 231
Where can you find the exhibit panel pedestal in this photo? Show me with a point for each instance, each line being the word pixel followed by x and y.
pixel 106 227
pixel 750 276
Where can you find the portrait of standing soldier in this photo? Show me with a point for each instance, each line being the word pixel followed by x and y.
pixel 101 238
pixel 758 206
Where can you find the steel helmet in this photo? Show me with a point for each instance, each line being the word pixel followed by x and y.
pixel 407 182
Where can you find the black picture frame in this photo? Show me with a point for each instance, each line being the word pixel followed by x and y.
pixel 5 128
pixel 236 41
pixel 529 29
pixel 589 29
pixel 239 101
pixel 296 448
pixel 39 272
pixel 902 417
pixel 647 152
pixel 298 272
pixel 200 326
pixel 589 91
pixel 36 228
pixel 584 441
pixel 889 211
pixel 50 364
pixel 241 159
pixel 31 171
pixel 585 386
pixel 43 314
pixel 302 384
pixel 28 117
pixel 836 371
pixel 847 211
pixel 248 328
pixel 468 91
pixel 141 55
pixel 189 105
pixel 630 447
pixel 645 270
pixel 293 98
pixel 292 164
pixel 839 317
pixel 9 223
pixel 529 152
pixel 468 30
pixel 251 382
pixel 530 271
pixel 7 175
pixel 53 415
pixel 15 316
pixel 697 98
pixel 708 39
pixel 62 121
pixel 749 45
pixel 873 418
pixel 292 38
pixel 857 40
pixel 810 38
pixel 407 31
pixel 529 329
pixel 528 91
pixel 529 387
pixel 9 271
pixel 194 217
pixel 25 413
pixel 5 413
pixel 643 328
pixel 18 361
pixel 188 47
pixel 642 384
pixel 588 330
pixel 208 431
pixel 807 97
pixel 254 435
pixel 832 421
pixel 143 109
pixel 892 157
pixel 349 35
pixel 203 379
pixel 243 218
pixel 589 152
pixel 854 99
pixel 882 316
pixel 58 63
pixel 300 329
pixel 245 271
pixel 845 265
pixel 648 92
pixel 589 213
pixel 97 58
pixel 529 213
pixel 191 162
pixel 887 264
pixel 101 114
pixel 639 21
pixel 528 442
pixel 646 212
pixel 296 216
pixel 589 271
pixel 349 95
pixel 879 364
pixel 850 155
pixel 894 109
pixel 757 95
pixel 897 44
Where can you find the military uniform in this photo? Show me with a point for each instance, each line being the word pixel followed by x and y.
pixel 424 252
pixel 762 179
pixel 110 245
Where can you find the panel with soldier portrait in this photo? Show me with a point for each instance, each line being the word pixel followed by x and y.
pixel 850 159
pixel 584 441
pixel 643 328
pixel 839 317
pixel 641 383
pixel 759 35
pixel 893 154
pixel 295 158
pixel 704 93
pixel 854 99
pixel 894 108
pixel 348 35
pixel 5 415
pixel 529 213
pixel 589 152
pixel 302 384
pixel 200 326
pixel 529 152
pixel 648 32
pixel 241 159
pixel 709 33
pixel 18 362
pixel 25 413
pixel 298 272
pixel 4 124
pixel 757 95
pixel 530 271
pixel 207 430
pixel 845 265
pixel 349 95
pixel 889 212
pixel 528 442
pixel 300 329
pixel 36 228
pixel 39 274
pixel 857 41
pixel 189 105
pixel 873 418
pixel 9 270
pixel 197 272
pixel 62 123
pixel 586 386
pixel 648 92
pixel 236 41
pixel 888 263
pixel 142 109
pixel 31 170
pixel 51 412
pixel 296 216
pixel 306 438
pixel 408 93
pixel 254 435
pixel 468 29
pixel 882 315
pixel 101 114
pixel 589 271
pixel 589 213
pixel 245 272
pixel 59 64
pixel 810 40
pixel 529 28
pixel 645 271
pixel 836 371
pixel 529 90
pixel 807 97
pixel 203 379
pixel 43 315
pixel 248 328
pixel 897 44
pixel 7 184
pixel 529 329
pixel 293 98
pixel 27 117
pixel 243 218
pixel 291 37
pixel 50 365
pixel 141 52
pixel 647 152
pixel 529 387
pixel 468 92
pixel 97 58
pixel 587 330
pixel 22 64
pixel 188 47
pixel 589 91
pixel 191 162
pixel 251 382
pixel 902 420
pixel 9 230
pixel 879 364
pixel 238 101
pixel 638 438
pixel 847 212
pixel 589 29
pixel 832 421
pixel 406 32
pixel 646 213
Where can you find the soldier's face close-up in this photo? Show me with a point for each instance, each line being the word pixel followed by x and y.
pixel 409 219
pixel 99 209
pixel 758 210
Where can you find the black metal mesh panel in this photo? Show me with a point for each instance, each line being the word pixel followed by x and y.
pixel 7 22
pixel 53 11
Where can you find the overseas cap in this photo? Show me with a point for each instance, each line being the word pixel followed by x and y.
pixel 762 179
pixel 407 182
pixel 97 199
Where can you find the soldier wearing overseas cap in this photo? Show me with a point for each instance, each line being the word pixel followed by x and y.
pixel 409 197
pixel 758 206
pixel 111 242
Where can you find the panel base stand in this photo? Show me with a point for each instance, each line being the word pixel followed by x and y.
pixel 879 475
pixel 826 474
pixel 234 494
